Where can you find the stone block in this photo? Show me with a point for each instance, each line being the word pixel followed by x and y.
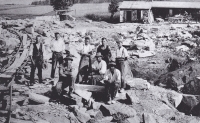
pixel 109 110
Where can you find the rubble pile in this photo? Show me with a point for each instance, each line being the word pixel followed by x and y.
pixel 164 55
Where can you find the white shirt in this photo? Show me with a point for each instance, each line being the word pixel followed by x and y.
pixel 101 66
pixel 87 48
pixel 122 52
pixel 58 45
pixel 116 77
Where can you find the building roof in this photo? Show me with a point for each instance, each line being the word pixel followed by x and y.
pixel 167 4
pixel 135 5
pixel 158 4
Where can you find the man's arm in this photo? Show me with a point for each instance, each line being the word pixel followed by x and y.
pixel 118 78
pixel 61 71
pixel 106 76
pixel 103 68
pixel 126 56
pixel 109 52
pixel 63 47
pixel 31 54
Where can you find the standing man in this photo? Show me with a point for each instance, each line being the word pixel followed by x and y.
pixel 85 67
pixel 36 56
pixel 66 78
pixel 112 81
pixel 99 68
pixel 58 48
pixel 104 49
pixel 121 57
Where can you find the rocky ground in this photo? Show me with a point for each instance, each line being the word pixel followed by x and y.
pixel 162 54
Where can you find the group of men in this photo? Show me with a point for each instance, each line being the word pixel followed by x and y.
pixel 104 71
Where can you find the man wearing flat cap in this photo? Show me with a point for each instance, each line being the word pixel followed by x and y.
pixel 58 48
pixel 36 55
pixel 99 68
pixel 112 80
pixel 66 77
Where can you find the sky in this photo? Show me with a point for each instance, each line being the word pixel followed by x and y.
pixel 16 1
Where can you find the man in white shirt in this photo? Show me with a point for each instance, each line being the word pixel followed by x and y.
pixel 121 57
pixel 99 69
pixel 112 80
pixel 87 48
pixel 58 48
pixel 85 62
pixel 36 56
pixel 121 52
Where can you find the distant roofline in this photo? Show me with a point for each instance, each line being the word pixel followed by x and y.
pixel 158 4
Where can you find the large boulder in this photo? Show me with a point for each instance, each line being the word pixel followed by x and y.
pixel 192 87
pixel 188 103
pixel 109 110
pixel 183 75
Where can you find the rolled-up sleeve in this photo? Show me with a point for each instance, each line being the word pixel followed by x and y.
pixel 106 75
pixel 103 68
pixel 118 76
pixel 126 53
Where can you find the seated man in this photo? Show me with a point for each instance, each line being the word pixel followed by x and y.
pixel 65 77
pixel 98 68
pixel 112 80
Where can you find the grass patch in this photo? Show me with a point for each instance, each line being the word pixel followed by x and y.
pixel 103 17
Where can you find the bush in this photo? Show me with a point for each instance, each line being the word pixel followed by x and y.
pixel 103 17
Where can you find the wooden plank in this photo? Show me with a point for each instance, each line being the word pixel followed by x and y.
pixel 91 88
pixel 17 63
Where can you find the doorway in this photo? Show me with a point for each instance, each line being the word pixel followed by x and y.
pixel 128 16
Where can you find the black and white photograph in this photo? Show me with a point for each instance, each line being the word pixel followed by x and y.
pixel 99 61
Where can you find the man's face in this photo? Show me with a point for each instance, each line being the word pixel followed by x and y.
pixel 104 42
pixel 38 40
pixel 119 44
pixel 99 59
pixel 69 62
pixel 57 36
pixel 112 68
pixel 87 41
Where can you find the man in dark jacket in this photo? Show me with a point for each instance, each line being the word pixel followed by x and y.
pixel 36 56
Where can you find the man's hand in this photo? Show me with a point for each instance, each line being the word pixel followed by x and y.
pixel 32 60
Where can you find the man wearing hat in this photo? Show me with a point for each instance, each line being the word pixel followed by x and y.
pixel 58 48
pixel 121 57
pixel 112 80
pixel 66 78
pixel 98 68
pixel 36 56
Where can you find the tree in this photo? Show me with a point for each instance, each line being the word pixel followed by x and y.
pixel 61 4
pixel 113 8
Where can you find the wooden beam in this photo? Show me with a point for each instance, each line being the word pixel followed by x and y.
pixel 91 88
